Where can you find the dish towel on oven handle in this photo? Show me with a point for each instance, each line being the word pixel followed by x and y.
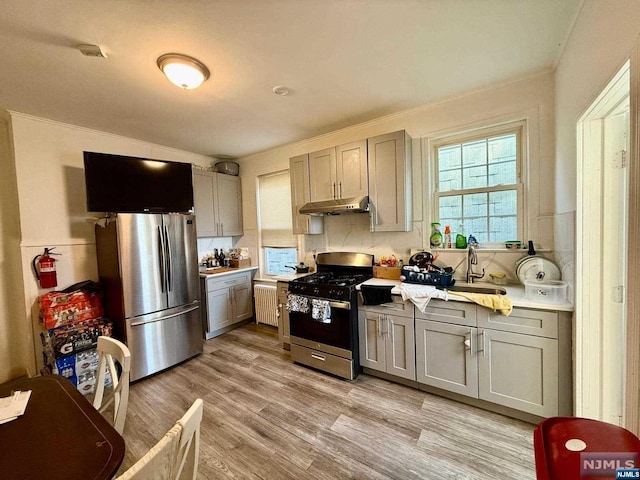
pixel 321 310
pixel 297 303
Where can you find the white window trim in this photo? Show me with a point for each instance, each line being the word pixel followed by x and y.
pixel 431 145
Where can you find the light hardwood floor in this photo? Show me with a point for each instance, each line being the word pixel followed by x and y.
pixel 267 418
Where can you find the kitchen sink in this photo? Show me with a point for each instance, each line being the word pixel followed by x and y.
pixel 477 288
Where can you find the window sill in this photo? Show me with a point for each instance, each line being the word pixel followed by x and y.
pixel 491 250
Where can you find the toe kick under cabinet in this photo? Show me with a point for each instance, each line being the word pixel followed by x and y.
pixel 522 361
pixel 227 301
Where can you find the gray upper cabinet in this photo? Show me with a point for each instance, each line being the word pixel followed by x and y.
pixel 229 205
pixel 322 175
pixel 204 204
pixel 299 177
pixel 390 182
pixel 339 172
pixel 351 170
pixel 217 202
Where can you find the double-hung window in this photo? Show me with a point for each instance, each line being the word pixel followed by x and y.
pixel 478 185
pixel 277 242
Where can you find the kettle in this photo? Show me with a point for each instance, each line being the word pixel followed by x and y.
pixel 300 268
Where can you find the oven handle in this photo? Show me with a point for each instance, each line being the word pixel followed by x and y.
pixel 332 304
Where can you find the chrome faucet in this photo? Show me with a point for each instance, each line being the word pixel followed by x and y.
pixel 472 259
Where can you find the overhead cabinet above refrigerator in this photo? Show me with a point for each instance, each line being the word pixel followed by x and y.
pixel 217 200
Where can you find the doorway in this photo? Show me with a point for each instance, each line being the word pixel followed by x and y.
pixel 603 134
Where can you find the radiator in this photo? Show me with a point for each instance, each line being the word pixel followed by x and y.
pixel 266 303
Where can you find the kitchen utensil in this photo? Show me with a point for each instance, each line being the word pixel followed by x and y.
pixel 421 259
pixel 536 268
pixel 300 268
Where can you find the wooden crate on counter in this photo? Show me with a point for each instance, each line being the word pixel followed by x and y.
pixel 388 273
pixel 242 263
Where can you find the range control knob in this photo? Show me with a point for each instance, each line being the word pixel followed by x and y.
pixel 316 291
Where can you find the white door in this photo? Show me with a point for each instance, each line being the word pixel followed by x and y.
pixel 614 213
pixel 602 216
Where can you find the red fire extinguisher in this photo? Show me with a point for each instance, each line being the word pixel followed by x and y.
pixel 45 269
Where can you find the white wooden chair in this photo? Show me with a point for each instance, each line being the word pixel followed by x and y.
pixel 175 456
pixel 110 351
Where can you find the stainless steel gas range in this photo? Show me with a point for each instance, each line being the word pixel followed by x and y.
pixel 323 313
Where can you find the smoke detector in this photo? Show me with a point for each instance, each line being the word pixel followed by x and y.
pixel 281 90
pixel 92 51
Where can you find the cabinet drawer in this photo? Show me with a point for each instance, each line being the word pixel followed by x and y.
pixel 396 307
pixel 458 313
pixel 228 281
pixel 540 323
pixel 342 367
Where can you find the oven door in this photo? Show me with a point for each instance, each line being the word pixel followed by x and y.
pixel 336 333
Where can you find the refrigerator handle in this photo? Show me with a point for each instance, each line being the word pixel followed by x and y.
pixel 161 255
pixel 168 260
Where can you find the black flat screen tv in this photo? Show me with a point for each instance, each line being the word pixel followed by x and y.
pixel 122 184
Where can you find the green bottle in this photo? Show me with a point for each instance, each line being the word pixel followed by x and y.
pixel 461 242
pixel 435 239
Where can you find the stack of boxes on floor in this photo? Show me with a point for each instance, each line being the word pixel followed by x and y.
pixel 73 322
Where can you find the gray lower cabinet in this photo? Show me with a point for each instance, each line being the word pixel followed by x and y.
pixel 510 361
pixel 445 358
pixel 284 331
pixel 387 339
pixel 226 301
pixel 519 371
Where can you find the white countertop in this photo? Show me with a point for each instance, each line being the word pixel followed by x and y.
pixel 227 272
pixel 514 292
pixel 293 276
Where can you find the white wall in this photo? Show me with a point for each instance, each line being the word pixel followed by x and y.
pixel 530 98
pixel 13 348
pixel 600 43
pixel 48 209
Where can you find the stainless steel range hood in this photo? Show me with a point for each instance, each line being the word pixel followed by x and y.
pixel 336 207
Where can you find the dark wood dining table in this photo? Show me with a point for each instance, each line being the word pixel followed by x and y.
pixel 60 435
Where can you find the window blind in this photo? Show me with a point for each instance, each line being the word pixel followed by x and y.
pixel 274 205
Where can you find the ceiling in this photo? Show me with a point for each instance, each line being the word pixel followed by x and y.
pixel 344 61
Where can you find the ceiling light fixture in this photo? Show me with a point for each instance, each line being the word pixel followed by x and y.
pixel 182 70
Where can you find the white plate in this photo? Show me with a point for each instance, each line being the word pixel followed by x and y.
pixel 537 269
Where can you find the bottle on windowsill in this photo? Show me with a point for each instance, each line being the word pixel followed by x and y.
pixel 447 236
pixel 435 240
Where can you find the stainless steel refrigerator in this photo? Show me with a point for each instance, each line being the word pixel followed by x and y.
pixel 149 267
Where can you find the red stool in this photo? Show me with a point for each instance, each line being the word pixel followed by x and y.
pixel 559 441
